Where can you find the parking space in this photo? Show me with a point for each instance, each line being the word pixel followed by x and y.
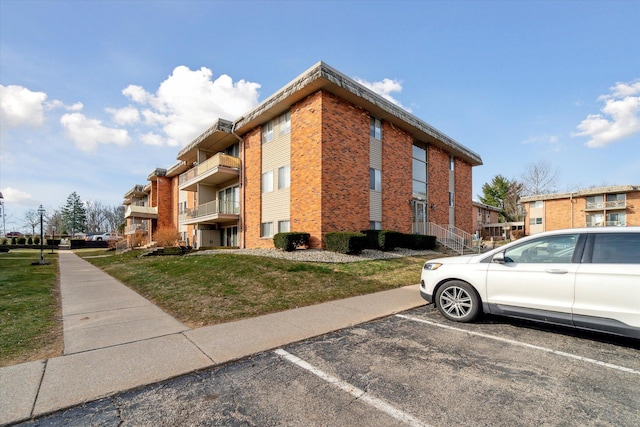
pixel 410 369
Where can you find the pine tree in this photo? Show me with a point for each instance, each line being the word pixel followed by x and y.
pixel 74 214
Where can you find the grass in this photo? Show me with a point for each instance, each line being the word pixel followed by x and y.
pixel 197 290
pixel 209 289
pixel 30 317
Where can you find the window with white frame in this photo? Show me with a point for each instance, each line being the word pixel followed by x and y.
pixel 267 132
pixel 535 204
pixel 419 171
pixel 375 128
pixel 535 221
pixel 452 163
pixel 375 225
pixel 284 226
pixel 452 199
pixel 266 229
pixel 284 123
pixel 284 177
pixel 267 182
pixel 375 179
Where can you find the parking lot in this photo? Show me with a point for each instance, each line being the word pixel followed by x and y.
pixel 414 368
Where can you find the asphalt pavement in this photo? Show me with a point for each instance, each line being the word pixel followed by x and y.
pixel 116 340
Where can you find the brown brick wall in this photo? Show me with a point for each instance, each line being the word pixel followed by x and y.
pixel 438 185
pixel 164 198
pixel 306 167
pixel 397 178
pixel 558 214
pixel 633 208
pixel 253 190
pixel 464 197
pixel 345 166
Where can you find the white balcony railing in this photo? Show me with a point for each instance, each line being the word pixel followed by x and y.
pixel 218 160
pixel 215 207
pixel 135 228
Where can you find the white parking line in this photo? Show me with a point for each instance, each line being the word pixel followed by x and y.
pixel 524 344
pixel 354 391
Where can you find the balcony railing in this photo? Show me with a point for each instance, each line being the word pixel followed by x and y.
pixel 216 161
pixel 134 228
pixel 613 204
pixel 141 211
pixel 215 207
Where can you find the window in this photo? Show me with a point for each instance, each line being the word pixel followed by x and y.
pixel 546 250
pixel 267 132
pixel 266 229
pixel 616 219
pixel 452 163
pixel 233 150
pixel 284 226
pixel 375 179
pixel 229 200
pixel 419 172
pixel 284 177
pixel 594 220
pixel 284 123
pixel 375 128
pixel 452 199
pixel 616 248
pixel 595 202
pixel 267 182
pixel 535 205
pixel 616 200
pixel 535 221
pixel 375 225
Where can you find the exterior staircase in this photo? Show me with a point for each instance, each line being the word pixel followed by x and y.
pixel 453 239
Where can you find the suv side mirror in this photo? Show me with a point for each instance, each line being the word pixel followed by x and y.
pixel 499 258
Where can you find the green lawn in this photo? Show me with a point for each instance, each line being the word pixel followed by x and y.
pixel 30 320
pixel 208 289
pixel 197 290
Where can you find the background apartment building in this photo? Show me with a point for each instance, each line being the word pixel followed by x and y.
pixel 593 207
pixel 323 154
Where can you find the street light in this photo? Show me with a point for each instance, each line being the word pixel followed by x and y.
pixel 53 237
pixel 41 211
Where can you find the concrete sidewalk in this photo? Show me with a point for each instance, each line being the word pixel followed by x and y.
pixel 116 340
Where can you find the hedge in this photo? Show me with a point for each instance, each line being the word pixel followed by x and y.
pixel 291 241
pixel 345 242
pixel 387 240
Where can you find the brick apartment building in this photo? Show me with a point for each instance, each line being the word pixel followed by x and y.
pixel 323 154
pixel 593 207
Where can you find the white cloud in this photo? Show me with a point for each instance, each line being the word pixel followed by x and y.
pixel 620 116
pixel 125 116
pixel 385 88
pixel 188 102
pixel 21 107
pixel 88 133
pixel 17 197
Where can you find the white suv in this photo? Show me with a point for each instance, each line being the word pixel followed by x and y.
pixel 587 278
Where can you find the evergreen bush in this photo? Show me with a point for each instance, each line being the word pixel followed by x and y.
pixel 291 241
pixel 345 242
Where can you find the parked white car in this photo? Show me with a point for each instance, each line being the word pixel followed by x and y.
pixel 105 237
pixel 587 278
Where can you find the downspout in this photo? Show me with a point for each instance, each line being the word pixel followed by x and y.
pixel 242 196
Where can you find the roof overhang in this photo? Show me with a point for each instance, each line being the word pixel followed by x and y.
pixel 323 77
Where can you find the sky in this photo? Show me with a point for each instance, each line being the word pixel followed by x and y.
pixel 95 95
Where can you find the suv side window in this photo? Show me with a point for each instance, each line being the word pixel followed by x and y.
pixel 616 248
pixel 547 250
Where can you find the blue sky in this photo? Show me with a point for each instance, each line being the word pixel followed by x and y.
pixel 97 94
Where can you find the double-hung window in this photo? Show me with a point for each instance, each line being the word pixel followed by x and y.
pixel 284 123
pixel 284 177
pixel 267 132
pixel 375 179
pixel 267 182
pixel 375 128
pixel 266 229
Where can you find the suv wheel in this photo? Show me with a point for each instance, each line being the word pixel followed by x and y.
pixel 458 301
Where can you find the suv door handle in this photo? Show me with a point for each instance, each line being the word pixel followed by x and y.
pixel 557 271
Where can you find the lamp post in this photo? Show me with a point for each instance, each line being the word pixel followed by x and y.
pixel 53 237
pixel 41 211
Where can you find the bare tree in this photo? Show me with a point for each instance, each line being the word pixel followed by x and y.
pixel 115 217
pixel 54 219
pixel 96 216
pixel 32 219
pixel 540 178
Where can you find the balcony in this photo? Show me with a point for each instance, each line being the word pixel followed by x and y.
pixel 137 228
pixel 215 170
pixel 609 205
pixel 211 212
pixel 141 211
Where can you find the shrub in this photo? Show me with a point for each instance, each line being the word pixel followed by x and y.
pixel 36 240
pixel 167 237
pixel 30 241
pixel 22 240
pixel 5 241
pixel 291 241
pixel 389 240
pixel 14 241
pixel 371 239
pixel 345 243
pixel 420 242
